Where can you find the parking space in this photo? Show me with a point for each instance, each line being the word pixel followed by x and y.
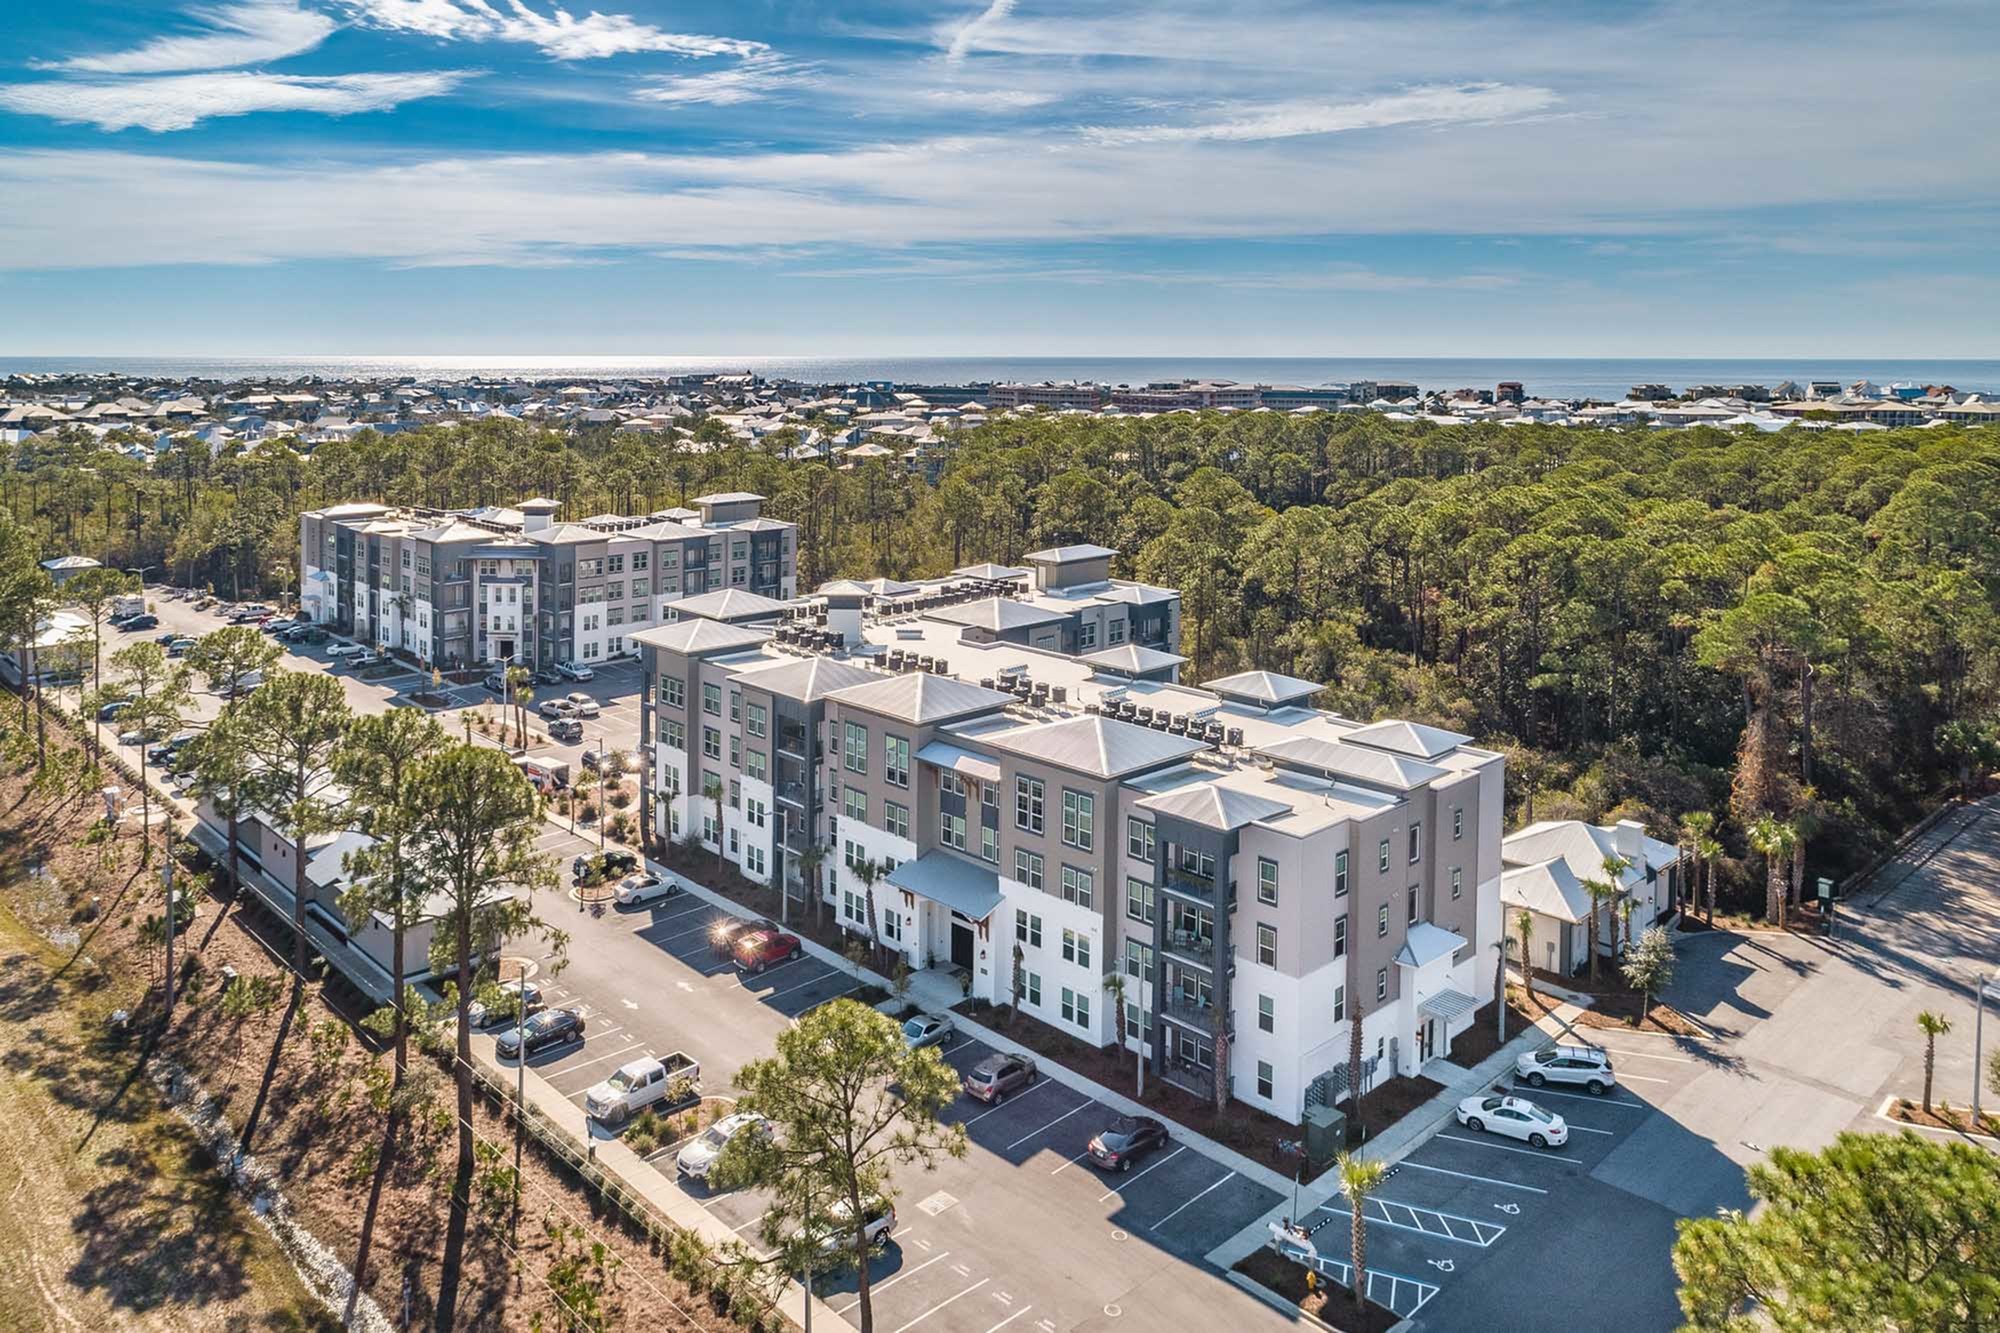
pixel 1463 1197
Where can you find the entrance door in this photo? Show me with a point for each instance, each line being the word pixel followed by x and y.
pixel 1428 1036
pixel 961 945
pixel 506 650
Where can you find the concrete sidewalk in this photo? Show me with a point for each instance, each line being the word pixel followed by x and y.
pixel 639 1176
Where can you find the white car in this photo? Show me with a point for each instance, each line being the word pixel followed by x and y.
pixel 341 652
pixel 926 1029
pixel 879 1223
pixel 583 704
pixel 526 994
pixel 700 1156
pixel 1584 1065
pixel 638 890
pixel 1515 1117
pixel 574 671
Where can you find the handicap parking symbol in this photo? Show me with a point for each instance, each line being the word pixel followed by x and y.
pixel 1508 1208
pixel 1443 1265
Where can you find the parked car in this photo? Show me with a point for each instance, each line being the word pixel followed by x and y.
pixel 1126 1140
pixel 180 647
pixel 169 637
pixel 556 708
pixel 723 936
pixel 547 677
pixel 923 1030
pixel 1515 1117
pixel 878 1223
pixel 495 681
pixel 566 731
pixel 135 737
pixel 584 705
pixel 343 652
pixel 638 890
pixel 997 1075
pixel 761 949
pixel 523 997
pixel 113 709
pixel 551 1027
pixel 574 671
pixel 596 867
pixel 279 626
pixel 305 634
pixel 700 1156
pixel 640 1084
pixel 1586 1065
pixel 164 752
pixel 144 620
pixel 602 761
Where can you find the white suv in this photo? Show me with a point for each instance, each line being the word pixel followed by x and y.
pixel 574 671
pixel 1568 1064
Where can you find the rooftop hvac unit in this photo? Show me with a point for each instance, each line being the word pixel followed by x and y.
pixel 1145 717
pixel 986 682
pixel 1236 736
pixel 1060 694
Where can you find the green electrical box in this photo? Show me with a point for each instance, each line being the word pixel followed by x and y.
pixel 1326 1135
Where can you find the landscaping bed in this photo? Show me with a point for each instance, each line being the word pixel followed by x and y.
pixel 1942 1116
pixel 1329 1304
pixel 1480 1041
pixel 1619 1011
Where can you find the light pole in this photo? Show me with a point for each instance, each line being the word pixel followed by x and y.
pixel 1982 989
pixel 603 794
pixel 140 570
pixel 167 880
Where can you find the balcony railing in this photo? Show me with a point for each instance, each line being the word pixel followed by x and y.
pixel 1197 947
pixel 1188 1010
pixel 1191 886
pixel 1190 1077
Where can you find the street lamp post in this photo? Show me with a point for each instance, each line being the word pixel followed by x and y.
pixel 1982 989
pixel 603 794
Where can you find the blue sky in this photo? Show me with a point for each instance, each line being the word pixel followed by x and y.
pixel 790 177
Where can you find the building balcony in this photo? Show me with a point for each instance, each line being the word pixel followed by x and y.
pixel 1190 946
pixel 1188 1011
pixel 791 793
pixel 1190 1077
pixel 1191 886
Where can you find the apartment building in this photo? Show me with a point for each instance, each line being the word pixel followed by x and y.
pixel 1036 810
pixel 461 589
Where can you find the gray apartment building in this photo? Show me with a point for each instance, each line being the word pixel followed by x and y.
pixel 470 588
pixel 1042 806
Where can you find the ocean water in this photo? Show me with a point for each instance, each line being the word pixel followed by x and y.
pixel 1560 377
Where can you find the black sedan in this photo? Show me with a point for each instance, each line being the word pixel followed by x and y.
pixel 1125 1140
pixel 551 1027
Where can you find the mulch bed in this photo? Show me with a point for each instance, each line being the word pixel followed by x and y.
pixel 1329 1305
pixel 1913 1113
pixel 1619 1011
pixel 1480 1040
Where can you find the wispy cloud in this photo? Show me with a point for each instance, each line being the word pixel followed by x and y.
pixel 756 77
pixel 967 38
pixel 1286 120
pixel 178 102
pixel 995 100
pixel 248 33
pixel 558 33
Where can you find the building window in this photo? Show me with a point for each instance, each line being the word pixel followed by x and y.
pixel 1077 887
pixel 1079 820
pixel 1139 835
pixel 1027 929
pixel 1267 945
pixel 1339 1004
pixel 1028 804
pixel 759 722
pixel 1382 921
pixel 711 743
pixel 1457 822
pixel 1340 937
pixel 896 760
pixel 1076 948
pixel 854 803
pixel 1340 874
pixel 736 752
pixel 1457 882
pixel 1381 984
pixel 1267 1014
pixel 857 748
pixel 1139 961
pixel 1139 900
pixel 1267 881
pixel 892 927
pixel 1086 636
pixel 896 818
pixel 1028 867
pixel 674 734
pixel 951 829
pixel 1076 1008
pixel 989 843
pixel 1382 856
pixel 1413 904
pixel 951 784
pixel 1264 1079
pixel 711 698
pixel 754 766
pixel 1196 862
pixel 1416 841
pixel 1034 989
pixel 1115 632
pixel 754 813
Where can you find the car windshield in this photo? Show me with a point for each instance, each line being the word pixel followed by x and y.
pixel 715 1138
pixel 916 1027
pixel 623 1081
pixel 1123 1127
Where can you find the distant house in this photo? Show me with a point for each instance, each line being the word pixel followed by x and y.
pixel 66 567
pixel 1544 868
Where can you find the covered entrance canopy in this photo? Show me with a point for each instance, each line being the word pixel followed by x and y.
pixel 973 891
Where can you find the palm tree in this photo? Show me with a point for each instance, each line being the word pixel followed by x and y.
pixel 1615 867
pixel 868 872
pixel 1706 851
pixel 1697 829
pixel 711 787
pixel 1601 895
pixel 810 861
pixel 520 690
pixel 1524 926
pixel 1932 1026
pixel 1774 839
pixel 1359 1178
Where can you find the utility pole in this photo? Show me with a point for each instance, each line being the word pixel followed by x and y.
pixel 167 881
pixel 603 795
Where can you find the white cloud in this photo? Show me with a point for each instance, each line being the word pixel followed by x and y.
pixel 558 33
pixel 177 102
pixel 995 100
pixel 753 79
pixel 1285 120
pixel 247 33
pixel 968 37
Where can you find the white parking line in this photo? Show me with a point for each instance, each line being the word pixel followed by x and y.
pixel 884 1286
pixel 585 1064
pixel 1057 1121
pixel 1586 1129
pixel 1467 1175
pixel 1641 1078
pixel 661 918
pixel 1142 1175
pixel 1071 1162
pixel 1601 1101
pixel 701 929
pixel 1500 1147
pixel 941 1304
pixel 1010 1319
pixel 752 1222
pixel 1648 1055
pixel 1191 1202
pixel 824 976
pixel 1033 1088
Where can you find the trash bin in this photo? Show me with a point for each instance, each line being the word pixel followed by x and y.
pixel 1326 1135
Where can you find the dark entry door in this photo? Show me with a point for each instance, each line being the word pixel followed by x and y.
pixel 961 945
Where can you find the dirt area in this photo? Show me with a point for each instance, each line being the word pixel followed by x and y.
pixel 1913 1113
pixel 1613 1005
pixel 1329 1305
pixel 1481 1040
pixel 138 1234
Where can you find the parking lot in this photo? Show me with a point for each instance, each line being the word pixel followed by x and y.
pixel 1477 1230
pixel 1023 1232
